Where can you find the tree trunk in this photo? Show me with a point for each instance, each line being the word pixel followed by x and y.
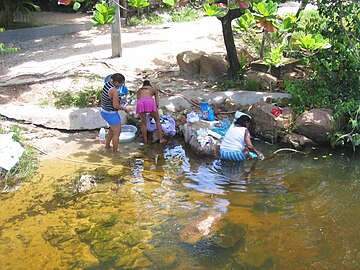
pixel 301 7
pixel 230 47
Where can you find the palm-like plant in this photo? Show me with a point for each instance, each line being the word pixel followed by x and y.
pixel 10 9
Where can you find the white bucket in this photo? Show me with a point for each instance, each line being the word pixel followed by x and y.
pixel 128 133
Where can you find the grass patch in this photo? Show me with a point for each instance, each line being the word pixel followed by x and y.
pixel 26 166
pixel 185 14
pixel 88 97
pixel 252 85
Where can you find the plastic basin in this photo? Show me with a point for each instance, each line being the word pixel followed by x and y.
pixel 128 133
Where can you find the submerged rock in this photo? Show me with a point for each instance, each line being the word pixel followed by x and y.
pixel 85 183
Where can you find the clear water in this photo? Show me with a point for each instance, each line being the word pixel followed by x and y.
pixel 164 207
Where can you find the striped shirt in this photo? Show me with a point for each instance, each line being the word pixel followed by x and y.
pixel 106 101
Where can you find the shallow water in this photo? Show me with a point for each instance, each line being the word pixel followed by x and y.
pixel 164 207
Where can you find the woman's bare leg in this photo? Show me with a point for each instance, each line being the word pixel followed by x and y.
pixel 116 130
pixel 158 125
pixel 109 136
pixel 143 126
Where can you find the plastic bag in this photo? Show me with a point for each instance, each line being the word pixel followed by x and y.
pixel 207 111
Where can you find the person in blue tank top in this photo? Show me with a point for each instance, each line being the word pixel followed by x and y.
pixel 110 105
pixel 237 144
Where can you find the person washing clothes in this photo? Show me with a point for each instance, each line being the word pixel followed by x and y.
pixel 146 104
pixel 237 145
pixel 110 105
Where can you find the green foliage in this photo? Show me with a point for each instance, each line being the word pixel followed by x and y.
pixel 10 9
pixel 85 98
pixel 103 14
pixel 218 10
pixel 139 4
pixel 252 84
pixel 171 3
pixel 310 43
pixel 245 22
pixel 6 50
pixel 146 20
pixel 276 57
pixel 350 132
pixel 26 166
pixel 185 14
pixel 225 83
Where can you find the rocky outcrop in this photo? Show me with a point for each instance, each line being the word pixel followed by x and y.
pixel 191 137
pixel 189 62
pixel 64 119
pixel 296 140
pixel 270 121
pixel 315 124
pixel 200 63
pixel 212 66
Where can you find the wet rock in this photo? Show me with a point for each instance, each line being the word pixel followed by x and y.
pixel 197 231
pixel 229 235
pixel 57 236
pixel 85 183
pixel 268 125
pixel 315 124
pixel 297 140
pixel 163 258
pixel 190 136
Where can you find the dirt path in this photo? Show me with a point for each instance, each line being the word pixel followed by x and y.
pixel 61 63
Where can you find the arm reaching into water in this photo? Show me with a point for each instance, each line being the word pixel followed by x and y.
pixel 250 146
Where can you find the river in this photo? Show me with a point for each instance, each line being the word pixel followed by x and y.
pixel 164 207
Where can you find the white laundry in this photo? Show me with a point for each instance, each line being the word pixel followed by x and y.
pixel 192 117
pixel 203 137
pixel 10 151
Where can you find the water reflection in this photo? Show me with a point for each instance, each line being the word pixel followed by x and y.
pixel 163 207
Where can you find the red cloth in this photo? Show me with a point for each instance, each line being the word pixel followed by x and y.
pixel 146 104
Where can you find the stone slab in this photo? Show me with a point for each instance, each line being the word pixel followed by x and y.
pixel 62 119
pixel 176 102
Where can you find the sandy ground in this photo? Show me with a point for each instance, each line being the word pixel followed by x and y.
pixel 74 61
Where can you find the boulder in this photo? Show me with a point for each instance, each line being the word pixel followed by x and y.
pixel 190 136
pixel 265 80
pixel 212 66
pixel 66 119
pixel 268 125
pixel 315 124
pixel 189 62
pixel 296 140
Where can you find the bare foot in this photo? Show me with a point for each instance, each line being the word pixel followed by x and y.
pixel 107 146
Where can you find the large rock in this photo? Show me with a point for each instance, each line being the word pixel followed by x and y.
pixel 234 98
pixel 65 119
pixel 265 80
pixel 315 124
pixel 267 125
pixel 212 66
pixel 189 62
pixel 190 136
pixel 296 140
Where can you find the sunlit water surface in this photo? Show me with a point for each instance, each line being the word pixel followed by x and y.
pixel 163 207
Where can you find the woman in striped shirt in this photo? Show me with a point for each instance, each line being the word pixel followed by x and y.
pixel 110 105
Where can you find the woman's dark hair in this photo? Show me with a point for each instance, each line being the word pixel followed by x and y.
pixel 242 121
pixel 118 77
pixel 146 83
